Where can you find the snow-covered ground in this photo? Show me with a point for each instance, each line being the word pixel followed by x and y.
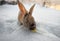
pixel 47 21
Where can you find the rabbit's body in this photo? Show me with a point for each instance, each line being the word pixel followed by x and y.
pixel 26 17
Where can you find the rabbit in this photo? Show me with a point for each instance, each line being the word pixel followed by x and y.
pixel 25 18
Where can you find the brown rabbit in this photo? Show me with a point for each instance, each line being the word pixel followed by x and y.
pixel 26 17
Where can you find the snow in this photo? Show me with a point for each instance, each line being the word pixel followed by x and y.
pixel 47 22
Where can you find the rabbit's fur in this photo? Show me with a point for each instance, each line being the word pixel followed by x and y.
pixel 26 17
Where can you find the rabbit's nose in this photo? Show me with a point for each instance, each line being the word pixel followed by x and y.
pixel 32 24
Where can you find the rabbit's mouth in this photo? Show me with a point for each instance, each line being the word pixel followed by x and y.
pixel 32 28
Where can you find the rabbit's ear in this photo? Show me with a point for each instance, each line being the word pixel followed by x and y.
pixel 21 7
pixel 31 9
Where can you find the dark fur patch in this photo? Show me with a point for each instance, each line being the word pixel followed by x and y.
pixel 26 15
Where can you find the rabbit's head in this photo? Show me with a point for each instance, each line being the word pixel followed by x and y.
pixel 28 19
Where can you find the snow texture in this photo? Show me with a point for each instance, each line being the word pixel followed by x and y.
pixel 47 23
